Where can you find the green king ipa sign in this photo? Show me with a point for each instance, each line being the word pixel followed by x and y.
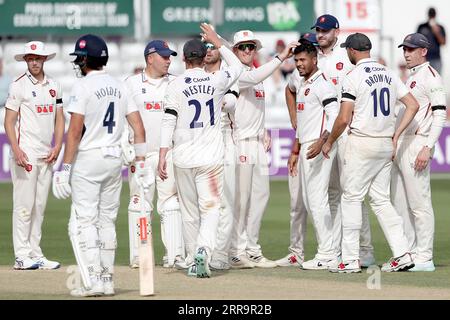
pixel 179 17
pixel 64 17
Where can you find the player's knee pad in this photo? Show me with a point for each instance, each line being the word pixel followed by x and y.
pixel 108 240
pixel 173 231
pixel 85 244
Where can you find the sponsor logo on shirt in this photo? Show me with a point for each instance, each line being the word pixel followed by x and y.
pixel 412 85
pixel 44 109
pixel 153 105
pixel 307 91
pixel 339 66
pixel 52 92
pixel 259 94
pixel 367 69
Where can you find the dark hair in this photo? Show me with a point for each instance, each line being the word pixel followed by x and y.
pixel 95 63
pixel 197 61
pixel 431 13
pixel 306 46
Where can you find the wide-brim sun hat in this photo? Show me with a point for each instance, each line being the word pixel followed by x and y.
pixel 36 48
pixel 245 36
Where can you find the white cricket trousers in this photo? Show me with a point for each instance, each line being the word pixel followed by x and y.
pixel 251 197
pixel 335 194
pixel 30 192
pixel 298 215
pixel 96 184
pixel 411 196
pixel 315 175
pixel 367 170
pixel 200 191
pixel 224 228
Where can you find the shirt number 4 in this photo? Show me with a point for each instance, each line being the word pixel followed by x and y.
pixel 108 121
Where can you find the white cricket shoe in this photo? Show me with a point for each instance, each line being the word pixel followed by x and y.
pixel 135 263
pixel 366 258
pixel 423 266
pixel 291 260
pixel 401 263
pixel 25 264
pixel 353 266
pixel 201 262
pixel 46 264
pixel 318 264
pixel 218 265
pixel 97 290
pixel 241 262
pixel 262 262
pixel 108 284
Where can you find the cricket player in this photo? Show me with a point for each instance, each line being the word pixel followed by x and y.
pixel 411 192
pixel 192 120
pixel 147 92
pixel 317 109
pixel 369 94
pixel 220 258
pixel 34 116
pixel 334 63
pixel 252 177
pixel 298 212
pixel 92 164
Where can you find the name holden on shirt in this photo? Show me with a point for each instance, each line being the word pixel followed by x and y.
pixel 44 109
pixel 108 91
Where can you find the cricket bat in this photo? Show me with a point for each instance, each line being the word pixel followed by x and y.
pixel 146 259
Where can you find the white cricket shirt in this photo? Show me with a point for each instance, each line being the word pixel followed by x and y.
pixel 36 104
pixel 426 85
pixel 317 108
pixel 196 99
pixel 375 90
pixel 148 95
pixel 250 106
pixel 104 102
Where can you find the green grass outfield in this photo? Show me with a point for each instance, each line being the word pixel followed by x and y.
pixel 274 236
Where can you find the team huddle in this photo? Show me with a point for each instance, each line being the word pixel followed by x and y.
pixel 198 140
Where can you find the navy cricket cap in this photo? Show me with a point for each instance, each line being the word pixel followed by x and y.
pixel 194 49
pixel 326 22
pixel 415 40
pixel 90 45
pixel 309 36
pixel 357 41
pixel 160 47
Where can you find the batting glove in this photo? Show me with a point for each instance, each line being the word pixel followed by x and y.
pixel 61 187
pixel 144 175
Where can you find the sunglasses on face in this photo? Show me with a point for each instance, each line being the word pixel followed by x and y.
pixel 210 46
pixel 249 46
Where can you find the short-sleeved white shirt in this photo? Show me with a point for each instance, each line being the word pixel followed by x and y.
pixel 312 97
pixel 148 95
pixel 36 103
pixel 104 102
pixel 335 65
pixel 375 90
pixel 426 85
pixel 196 97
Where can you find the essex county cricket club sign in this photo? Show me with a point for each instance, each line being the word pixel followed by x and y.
pixel 64 17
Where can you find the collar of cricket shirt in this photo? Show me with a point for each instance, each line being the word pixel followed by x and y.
pixel 314 77
pixel 420 66
pixel 95 72
pixel 365 60
pixel 36 81
pixel 152 81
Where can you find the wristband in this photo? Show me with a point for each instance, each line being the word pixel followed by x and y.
pixel 66 167
pixel 140 149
